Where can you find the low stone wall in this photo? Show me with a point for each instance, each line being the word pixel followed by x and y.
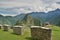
pixel 17 30
pixel 0 26
pixel 40 33
pixel 6 27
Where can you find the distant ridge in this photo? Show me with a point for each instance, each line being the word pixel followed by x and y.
pixel 52 17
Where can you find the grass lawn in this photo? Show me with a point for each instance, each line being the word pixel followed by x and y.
pixel 26 36
pixel 56 33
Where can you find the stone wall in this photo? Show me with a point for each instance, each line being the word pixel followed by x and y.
pixel 41 33
pixel 17 30
pixel 6 27
pixel 0 27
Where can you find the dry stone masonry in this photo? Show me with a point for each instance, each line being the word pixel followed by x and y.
pixel 17 30
pixel 6 27
pixel 0 26
pixel 41 33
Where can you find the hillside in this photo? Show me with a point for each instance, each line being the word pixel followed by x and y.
pixel 53 17
pixel 27 35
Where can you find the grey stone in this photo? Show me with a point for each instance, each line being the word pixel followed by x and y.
pixel 41 33
pixel 0 26
pixel 6 27
pixel 17 30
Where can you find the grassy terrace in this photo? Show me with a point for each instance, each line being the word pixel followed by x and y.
pixel 26 36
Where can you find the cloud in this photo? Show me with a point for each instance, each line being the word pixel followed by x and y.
pixel 32 3
pixel 26 6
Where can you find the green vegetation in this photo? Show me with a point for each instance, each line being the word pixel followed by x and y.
pixel 10 36
pixel 28 20
pixel 26 36
pixel 56 33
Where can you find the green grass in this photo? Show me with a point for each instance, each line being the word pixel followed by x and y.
pixel 4 35
pixel 56 33
pixel 26 36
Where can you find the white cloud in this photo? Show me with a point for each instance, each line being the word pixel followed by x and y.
pixel 33 5
pixel 12 4
pixel 56 5
pixel 9 15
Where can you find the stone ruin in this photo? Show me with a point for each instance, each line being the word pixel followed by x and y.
pixel 17 30
pixel 41 33
pixel 48 25
pixel 0 26
pixel 6 27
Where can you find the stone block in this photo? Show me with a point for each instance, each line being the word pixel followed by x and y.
pixel 17 30
pixel 0 26
pixel 6 27
pixel 41 33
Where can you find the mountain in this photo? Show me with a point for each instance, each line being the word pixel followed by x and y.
pixel 53 17
pixel 38 15
pixel 6 11
pixel 19 17
pixel 9 20
pixel 6 20
pixel 1 19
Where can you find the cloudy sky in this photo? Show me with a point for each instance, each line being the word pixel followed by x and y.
pixel 15 7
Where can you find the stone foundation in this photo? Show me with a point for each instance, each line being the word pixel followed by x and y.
pixel 6 27
pixel 17 30
pixel 0 26
pixel 40 33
